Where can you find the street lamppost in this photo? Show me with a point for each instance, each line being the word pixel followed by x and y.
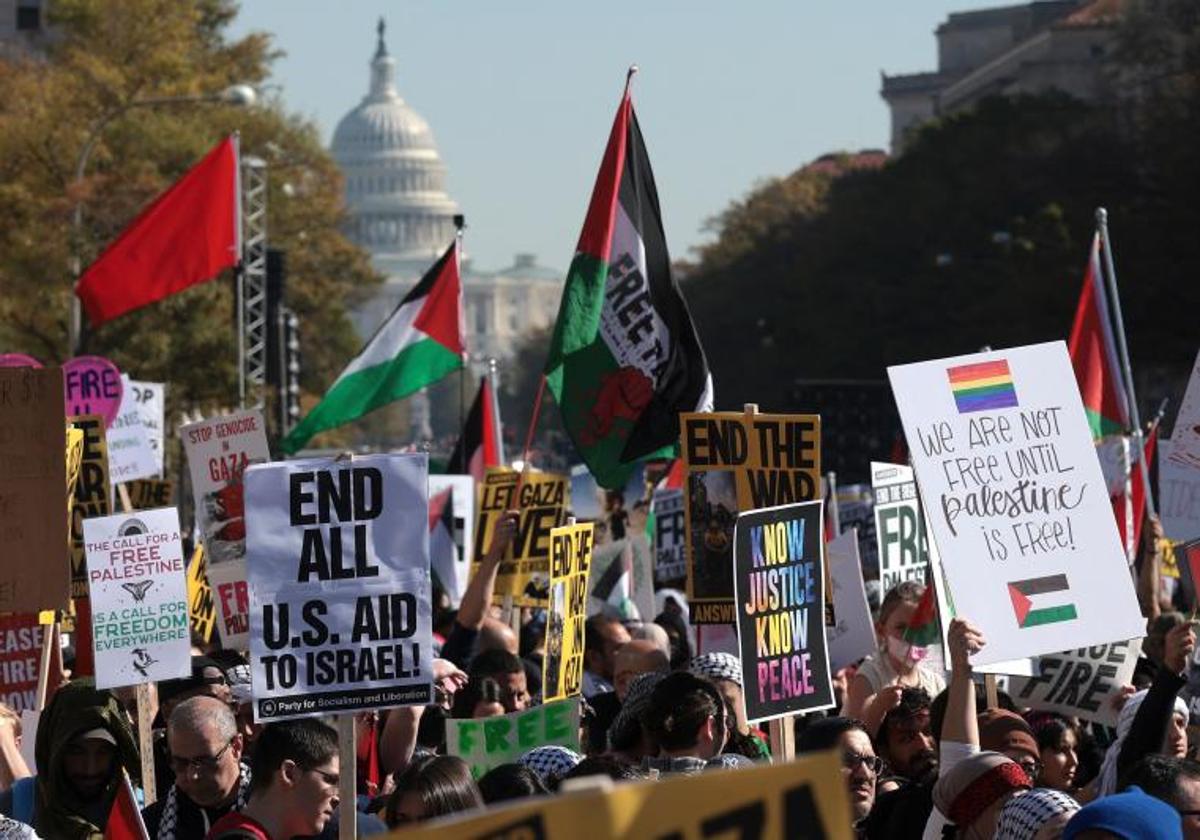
pixel 242 96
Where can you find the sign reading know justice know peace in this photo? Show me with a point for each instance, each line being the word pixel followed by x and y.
pixel 1016 500
pixel 338 560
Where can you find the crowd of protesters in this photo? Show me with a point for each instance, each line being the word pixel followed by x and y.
pixel 922 754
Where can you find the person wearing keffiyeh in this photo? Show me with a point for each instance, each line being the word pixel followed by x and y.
pixel 1038 813
pixel 210 778
pixel 550 762
pixel 725 672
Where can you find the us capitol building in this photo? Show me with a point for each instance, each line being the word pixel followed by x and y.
pixel 400 213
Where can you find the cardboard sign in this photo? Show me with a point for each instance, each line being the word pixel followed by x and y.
pixel 900 529
pixel 853 636
pixel 543 504
pixel 670 539
pixel 779 587
pixel 20 655
pixel 1179 496
pixel 485 743
pixel 1079 683
pixel 150 492
pixel 570 562
pixel 1017 504
pixel 129 452
pixel 453 567
pixel 202 612
pixel 231 597
pixel 1185 437
pixel 93 494
pixel 138 583
pixel 33 559
pixel 340 604
pixel 150 400
pixel 803 798
pixel 92 385
pixel 218 451
pixel 738 462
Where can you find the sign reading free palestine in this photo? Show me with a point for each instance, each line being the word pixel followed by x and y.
pixel 1016 500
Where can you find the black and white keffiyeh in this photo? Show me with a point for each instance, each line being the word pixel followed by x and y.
pixel 621 732
pixel 1024 814
pixel 717 666
pixel 550 761
pixel 170 814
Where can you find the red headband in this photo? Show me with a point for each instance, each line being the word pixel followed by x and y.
pixel 985 790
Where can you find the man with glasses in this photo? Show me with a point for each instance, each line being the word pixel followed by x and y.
pixel 205 752
pixel 860 765
pixel 293 786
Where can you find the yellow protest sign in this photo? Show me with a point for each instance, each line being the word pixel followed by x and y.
pixel 738 461
pixel 147 493
pixel 570 563
pixel 543 501
pixel 93 494
pixel 202 610
pixel 802 798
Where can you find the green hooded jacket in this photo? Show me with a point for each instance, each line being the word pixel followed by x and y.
pixel 75 708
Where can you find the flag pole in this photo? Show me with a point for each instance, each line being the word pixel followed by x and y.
pixel 494 382
pixel 1122 348
pixel 460 222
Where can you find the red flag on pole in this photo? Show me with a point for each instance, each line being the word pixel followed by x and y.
pixel 477 447
pixel 1094 355
pixel 185 237
pixel 125 819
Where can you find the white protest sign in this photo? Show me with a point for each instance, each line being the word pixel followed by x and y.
pixel 853 636
pixel 670 538
pixel 219 450
pixel 1017 504
pixel 454 575
pixel 903 539
pixel 1179 496
pixel 129 453
pixel 231 594
pixel 1185 438
pixel 337 553
pixel 138 584
pixel 150 399
pixel 1079 683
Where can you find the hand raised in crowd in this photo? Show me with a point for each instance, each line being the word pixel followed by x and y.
pixel 448 677
pixel 1118 700
pixel 502 536
pixel 964 639
pixel 1178 647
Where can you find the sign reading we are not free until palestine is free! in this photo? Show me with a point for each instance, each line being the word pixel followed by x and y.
pixel 1016 501
pixel 337 556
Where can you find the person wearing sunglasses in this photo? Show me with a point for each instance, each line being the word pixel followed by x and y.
pixel 205 752
pixel 293 784
pixel 860 765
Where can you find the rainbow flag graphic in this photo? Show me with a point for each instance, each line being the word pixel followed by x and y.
pixel 982 387
pixel 1024 593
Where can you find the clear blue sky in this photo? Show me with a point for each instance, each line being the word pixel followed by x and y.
pixel 521 94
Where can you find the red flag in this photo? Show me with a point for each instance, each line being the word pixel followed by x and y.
pixel 1094 355
pixel 1137 498
pixel 124 819
pixel 185 237
pixel 477 448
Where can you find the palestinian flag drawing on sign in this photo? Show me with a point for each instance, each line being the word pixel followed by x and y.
pixel 625 359
pixel 1035 602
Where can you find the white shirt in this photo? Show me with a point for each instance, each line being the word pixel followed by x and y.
pixel 950 753
pixel 593 685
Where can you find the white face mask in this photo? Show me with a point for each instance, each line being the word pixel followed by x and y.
pixel 903 651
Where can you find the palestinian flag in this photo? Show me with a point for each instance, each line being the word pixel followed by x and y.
pixel 625 358
pixel 477 448
pixel 922 628
pixel 124 817
pixel 443 554
pixel 1094 355
pixel 419 343
pixel 1038 601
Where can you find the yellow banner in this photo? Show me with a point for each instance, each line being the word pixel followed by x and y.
pixel 543 503
pixel 93 495
pixel 738 461
pixel 202 610
pixel 570 563
pixel 803 798
pixel 147 493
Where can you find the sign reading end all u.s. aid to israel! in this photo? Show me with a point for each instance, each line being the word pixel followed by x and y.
pixel 1016 500
pixel 337 554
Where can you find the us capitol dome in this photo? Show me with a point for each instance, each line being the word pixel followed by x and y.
pixel 400 213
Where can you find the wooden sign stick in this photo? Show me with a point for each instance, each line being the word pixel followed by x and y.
pixel 49 640
pixel 989 688
pixel 347 776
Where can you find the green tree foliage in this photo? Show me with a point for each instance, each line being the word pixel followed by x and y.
pixel 103 57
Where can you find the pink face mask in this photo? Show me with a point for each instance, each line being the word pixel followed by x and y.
pixel 903 651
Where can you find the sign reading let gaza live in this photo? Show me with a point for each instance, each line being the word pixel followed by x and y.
pixel 338 561
pixel 1016 500
pixel 736 462
pixel 779 580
